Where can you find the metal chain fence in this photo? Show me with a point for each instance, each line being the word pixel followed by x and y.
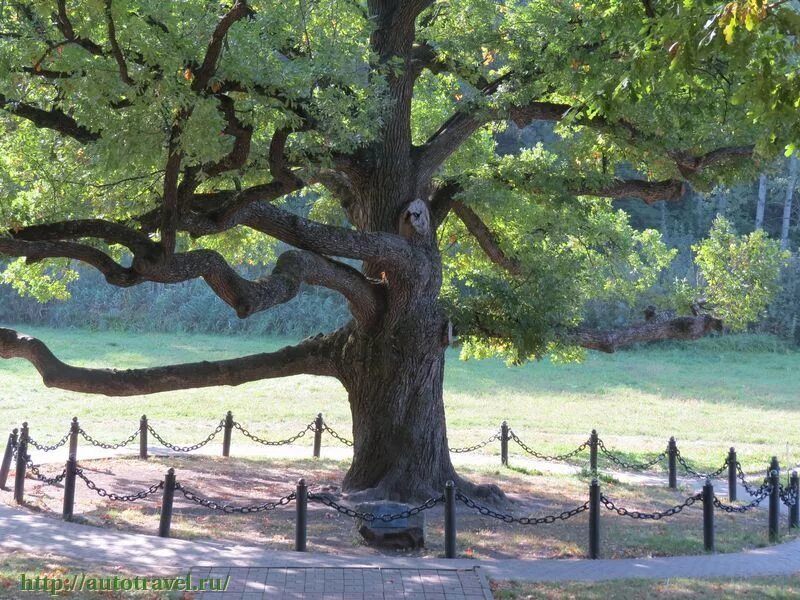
pixel 506 518
pixel 626 465
pixel 788 496
pixel 478 446
pixel 344 440
pixel 118 497
pixel 557 458
pixel 45 448
pixel 166 444
pixel 747 486
pixel 290 440
pixel 369 517
pixel 34 469
pixel 730 508
pixel 99 444
pixel 230 508
pixel 690 471
pixel 656 515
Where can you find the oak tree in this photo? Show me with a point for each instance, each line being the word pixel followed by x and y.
pixel 167 141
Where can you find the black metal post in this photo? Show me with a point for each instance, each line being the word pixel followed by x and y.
pixel 504 443
pixel 794 509
pixel 732 462
pixel 5 467
pixel 774 499
pixel 672 454
pixel 69 489
pixel 449 520
pixel 74 430
pixel 319 426
pixel 22 454
pixel 593 451
pixel 301 523
pixel 708 516
pixel 166 504
pixel 594 519
pixel 226 439
pixel 143 437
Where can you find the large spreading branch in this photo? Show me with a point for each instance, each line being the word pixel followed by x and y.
pixel 54 119
pixel 678 328
pixel 463 124
pixel 203 75
pixel 314 356
pixel 246 297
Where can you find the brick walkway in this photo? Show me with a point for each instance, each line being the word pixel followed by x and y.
pixel 315 583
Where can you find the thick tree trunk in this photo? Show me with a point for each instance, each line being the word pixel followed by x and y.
pixel 395 392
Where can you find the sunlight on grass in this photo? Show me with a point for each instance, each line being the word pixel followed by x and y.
pixel 709 399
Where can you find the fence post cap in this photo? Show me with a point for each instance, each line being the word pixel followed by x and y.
pixel 708 481
pixel 143 418
pixel 594 432
pixel 15 431
pixel 672 439
pixel 449 483
pixel 594 482
pixel 24 424
pixel 505 423
pixel 732 450
pixel 794 473
pixel 301 481
pixel 171 471
pixel 229 414
pixel 74 419
pixel 319 415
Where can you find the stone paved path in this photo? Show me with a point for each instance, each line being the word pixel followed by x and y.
pixel 251 583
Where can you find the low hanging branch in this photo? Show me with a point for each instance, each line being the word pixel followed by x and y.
pixel 677 328
pixel 314 356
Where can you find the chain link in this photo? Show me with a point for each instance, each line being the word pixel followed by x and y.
pixel 758 498
pixel 655 516
pixel 748 488
pixel 560 457
pixel 294 438
pixel 626 465
pixel 231 509
pixel 34 469
pixel 99 444
pixel 788 495
pixel 496 436
pixel 119 497
pixel 369 517
pixel 506 518
pixel 45 448
pixel 166 444
pixel 344 440
pixel 697 474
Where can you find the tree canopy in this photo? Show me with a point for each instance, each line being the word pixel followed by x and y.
pixel 138 124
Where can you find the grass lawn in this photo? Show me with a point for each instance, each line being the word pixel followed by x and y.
pixel 706 394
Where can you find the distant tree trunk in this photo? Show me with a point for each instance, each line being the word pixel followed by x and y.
pixel 787 204
pixel 722 203
pixel 664 231
pixel 762 201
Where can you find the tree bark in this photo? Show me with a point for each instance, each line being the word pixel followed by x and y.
pixel 762 201
pixel 787 204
